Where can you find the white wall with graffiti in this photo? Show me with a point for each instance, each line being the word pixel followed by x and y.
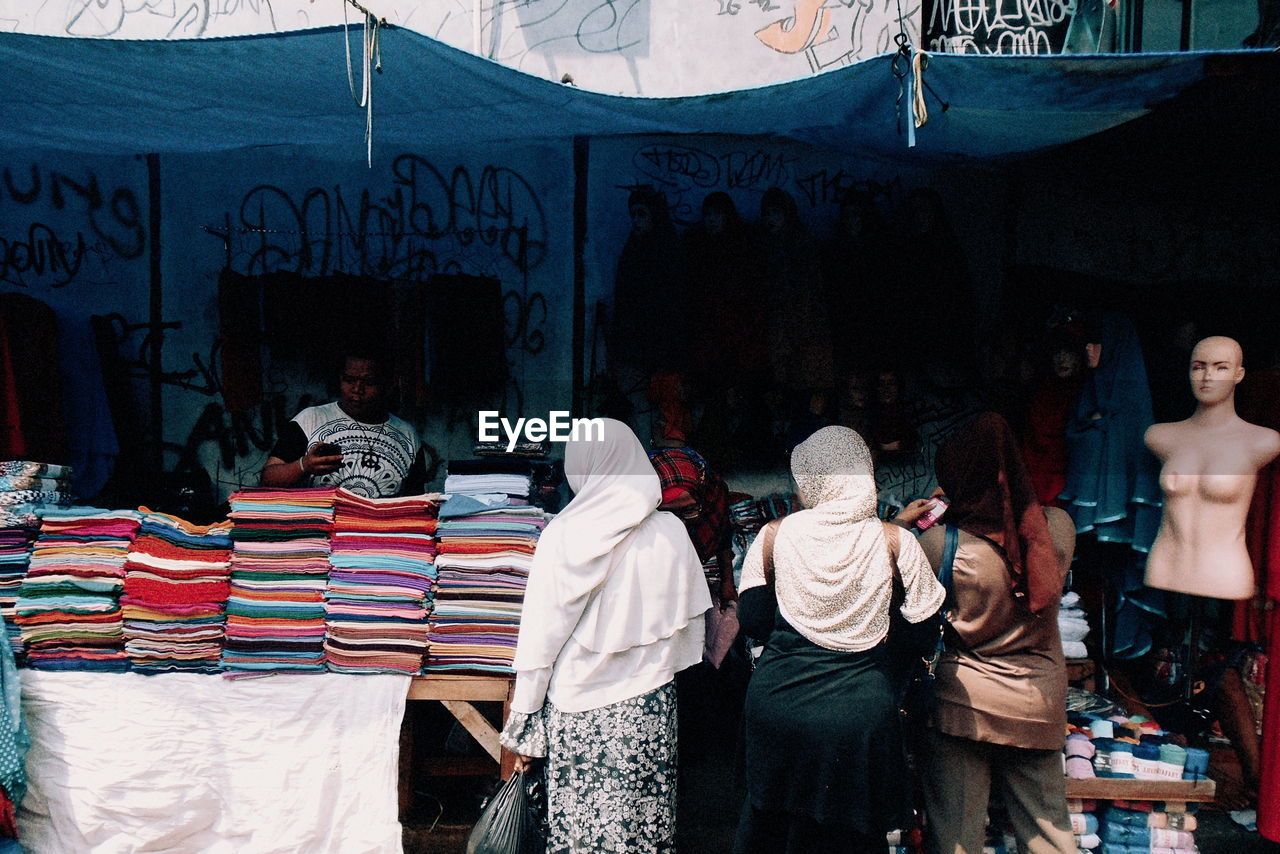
pixel 635 47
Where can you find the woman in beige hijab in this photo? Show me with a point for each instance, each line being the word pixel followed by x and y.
pixel 824 757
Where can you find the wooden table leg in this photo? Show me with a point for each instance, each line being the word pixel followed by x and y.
pixel 507 762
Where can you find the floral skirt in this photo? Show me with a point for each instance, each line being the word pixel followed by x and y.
pixel 611 776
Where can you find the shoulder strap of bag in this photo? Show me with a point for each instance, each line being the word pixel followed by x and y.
pixel 770 533
pixel 946 573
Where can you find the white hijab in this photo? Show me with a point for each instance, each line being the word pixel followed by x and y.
pixel 610 571
pixel 832 572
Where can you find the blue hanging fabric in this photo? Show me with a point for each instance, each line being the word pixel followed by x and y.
pixel 1113 486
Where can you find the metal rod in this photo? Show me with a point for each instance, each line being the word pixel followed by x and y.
pixel 155 333
pixel 580 164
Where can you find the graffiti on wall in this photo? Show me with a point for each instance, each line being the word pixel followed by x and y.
pixel 515 30
pixel 427 220
pixel 829 33
pixel 424 219
pixel 685 173
pixel 829 186
pixel 160 18
pixel 61 228
pixel 997 26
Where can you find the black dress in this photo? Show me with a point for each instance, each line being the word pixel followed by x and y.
pixel 825 765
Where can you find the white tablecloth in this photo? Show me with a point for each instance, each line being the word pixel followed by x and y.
pixel 122 762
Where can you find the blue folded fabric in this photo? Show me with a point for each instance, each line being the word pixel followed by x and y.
pixel 1128 834
pixel 1114 815
pixel 1197 764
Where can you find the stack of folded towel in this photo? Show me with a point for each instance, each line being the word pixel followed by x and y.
pixel 1133 748
pixel 1141 827
pixel 1073 626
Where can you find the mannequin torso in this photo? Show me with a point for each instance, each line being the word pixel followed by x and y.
pixel 1210 465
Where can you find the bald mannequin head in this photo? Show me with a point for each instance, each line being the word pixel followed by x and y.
pixel 1217 366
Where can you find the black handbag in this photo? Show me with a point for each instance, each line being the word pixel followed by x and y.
pixel 913 649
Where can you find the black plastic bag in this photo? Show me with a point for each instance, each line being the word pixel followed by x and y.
pixel 512 821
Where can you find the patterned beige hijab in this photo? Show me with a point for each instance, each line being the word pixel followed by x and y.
pixel 833 577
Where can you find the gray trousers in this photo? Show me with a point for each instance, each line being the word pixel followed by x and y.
pixel 958 775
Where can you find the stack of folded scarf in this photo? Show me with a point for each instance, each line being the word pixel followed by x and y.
pixel 382 566
pixel 68 607
pixel 279 570
pixel 1073 626
pixel 483 564
pixel 27 487
pixel 177 579
pixel 1142 827
pixel 15 555
pixel 1084 823
pixel 493 476
pixel 1129 748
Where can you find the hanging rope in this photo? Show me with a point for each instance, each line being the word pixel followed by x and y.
pixel 371 61
pixel 919 62
pixel 901 66
pixel 898 68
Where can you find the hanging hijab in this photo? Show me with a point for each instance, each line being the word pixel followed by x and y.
pixel 832 572
pixel 1112 480
pixel 992 497
pixel 610 571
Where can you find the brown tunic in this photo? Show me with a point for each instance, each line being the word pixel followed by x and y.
pixel 1005 680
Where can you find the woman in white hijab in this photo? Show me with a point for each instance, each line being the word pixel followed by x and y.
pixel 824 755
pixel 613 609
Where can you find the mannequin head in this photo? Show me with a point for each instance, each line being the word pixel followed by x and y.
pixel 925 212
pixel 1067 357
pixel 719 213
pixel 778 211
pixel 1217 366
pixel 641 219
pixel 648 209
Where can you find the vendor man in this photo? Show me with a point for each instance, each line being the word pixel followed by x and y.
pixel 353 442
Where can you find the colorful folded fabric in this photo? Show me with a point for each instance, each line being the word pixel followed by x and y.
pixel 68 606
pixel 381 572
pixel 279 571
pixel 177 581
pixel 482 566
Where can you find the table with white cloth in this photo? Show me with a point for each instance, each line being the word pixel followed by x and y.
pixel 177 762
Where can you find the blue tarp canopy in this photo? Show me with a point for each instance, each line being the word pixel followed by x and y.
pixel 132 96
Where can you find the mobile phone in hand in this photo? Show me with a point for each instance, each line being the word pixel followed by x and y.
pixel 327 449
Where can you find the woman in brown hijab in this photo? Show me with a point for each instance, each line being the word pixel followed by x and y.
pixel 1001 683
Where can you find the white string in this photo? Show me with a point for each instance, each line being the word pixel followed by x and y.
pixel 371 61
